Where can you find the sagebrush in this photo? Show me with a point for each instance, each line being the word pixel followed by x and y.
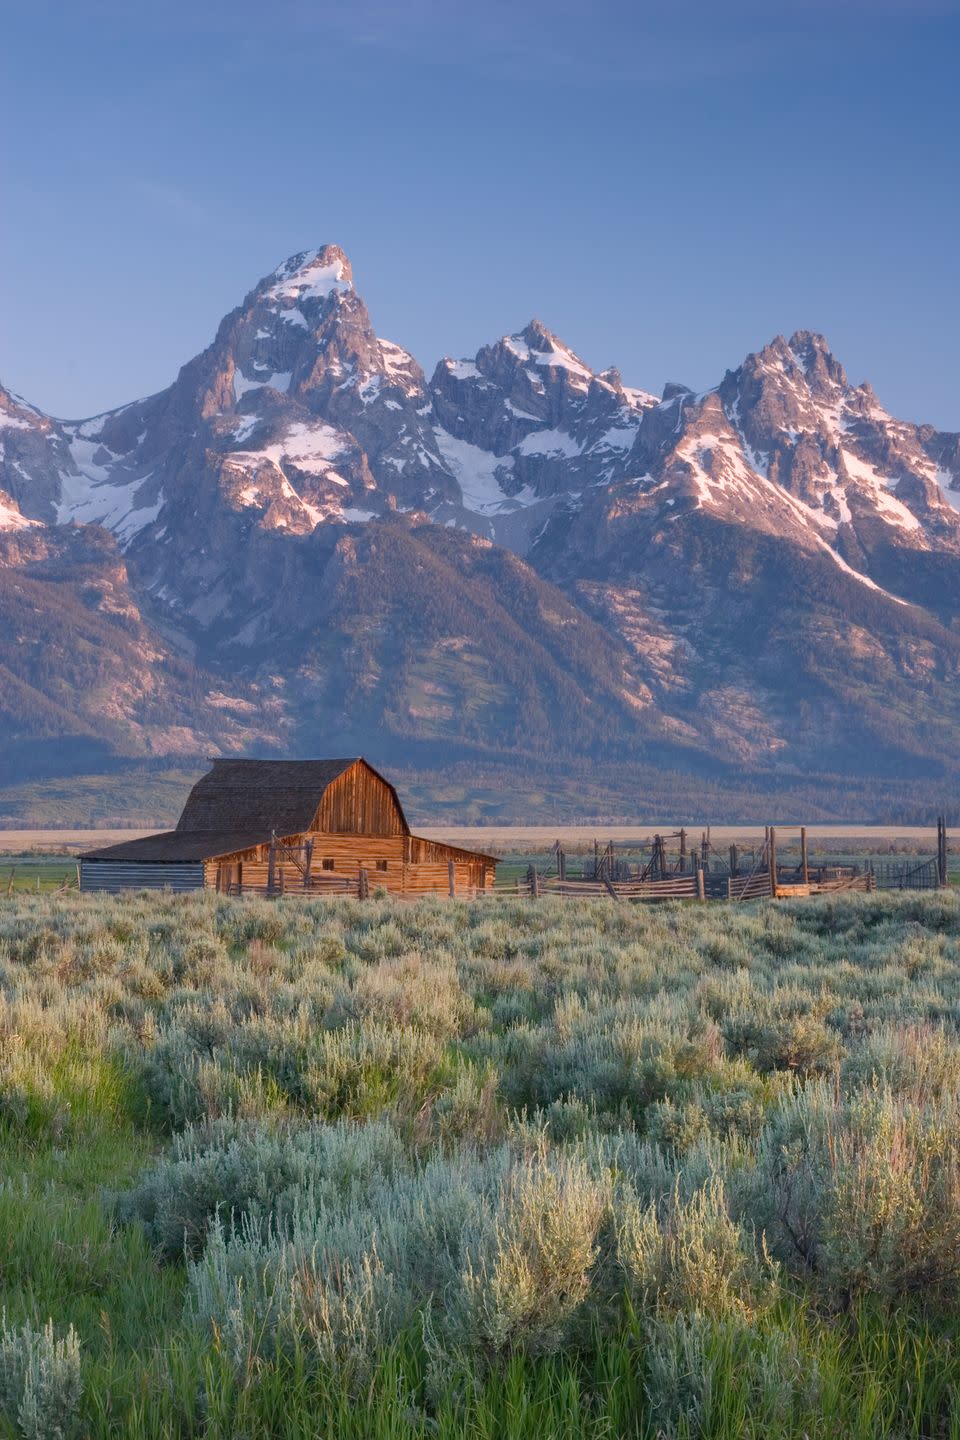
pixel 668 1168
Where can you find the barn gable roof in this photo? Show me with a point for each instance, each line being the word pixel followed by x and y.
pixel 177 846
pixel 261 795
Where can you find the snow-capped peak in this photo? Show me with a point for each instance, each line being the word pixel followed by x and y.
pixel 546 349
pixel 815 356
pixel 311 275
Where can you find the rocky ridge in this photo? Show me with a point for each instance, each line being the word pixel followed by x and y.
pixel 519 554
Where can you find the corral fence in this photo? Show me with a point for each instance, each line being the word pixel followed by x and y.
pixel 406 881
pixel 675 869
pixel 667 866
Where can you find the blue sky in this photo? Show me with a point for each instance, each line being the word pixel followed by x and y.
pixel 666 186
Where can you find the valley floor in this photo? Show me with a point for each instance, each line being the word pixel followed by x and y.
pixel 514 839
pixel 491 1170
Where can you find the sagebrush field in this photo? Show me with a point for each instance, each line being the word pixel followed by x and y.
pixel 491 1170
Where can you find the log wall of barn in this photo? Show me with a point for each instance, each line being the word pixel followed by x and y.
pixel 360 803
pixel 384 857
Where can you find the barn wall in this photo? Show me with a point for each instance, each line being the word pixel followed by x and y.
pixel 423 850
pixel 350 853
pixel 116 875
pixel 360 803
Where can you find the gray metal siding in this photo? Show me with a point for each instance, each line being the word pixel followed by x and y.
pixel 117 875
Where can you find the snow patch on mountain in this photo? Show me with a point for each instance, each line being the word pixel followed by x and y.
pixel 639 399
pixel 948 487
pixel 620 437
pixel 93 496
pixel 859 575
pixel 402 370
pixel 550 442
pixel 893 511
pixel 244 426
pixel 309 277
pixel 558 355
pixel 14 422
pixel 308 447
pixel 475 471
pixel 278 380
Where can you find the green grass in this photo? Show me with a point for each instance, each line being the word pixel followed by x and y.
pixel 39 874
pixel 480 1031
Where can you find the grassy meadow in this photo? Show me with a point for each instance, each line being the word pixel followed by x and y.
pixel 494 1169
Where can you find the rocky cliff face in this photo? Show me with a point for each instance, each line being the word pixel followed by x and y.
pixel 84 678
pixel 526 424
pixel 522 555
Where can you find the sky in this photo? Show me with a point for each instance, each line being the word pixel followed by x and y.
pixel 665 186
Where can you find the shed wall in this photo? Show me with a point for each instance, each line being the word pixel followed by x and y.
pixel 116 875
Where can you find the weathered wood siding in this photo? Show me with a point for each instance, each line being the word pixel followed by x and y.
pixel 384 857
pixel 360 803
pixel 116 875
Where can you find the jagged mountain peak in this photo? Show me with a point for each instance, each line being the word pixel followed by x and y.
pixel 535 333
pixel 819 363
pixel 806 344
pixel 240 497
pixel 672 389
pixel 547 350
pixel 310 275
pixel 804 360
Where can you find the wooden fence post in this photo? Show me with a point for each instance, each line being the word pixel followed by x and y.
pixel 534 883
pixel 804 866
pixel 734 861
pixel 452 878
pixel 561 862
pixel 701 884
pixel 942 874
pixel 772 857
pixel 363 884
pixel 683 851
pixel 308 865
pixel 271 864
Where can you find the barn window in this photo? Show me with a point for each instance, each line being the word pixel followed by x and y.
pixel 326 864
pixel 381 864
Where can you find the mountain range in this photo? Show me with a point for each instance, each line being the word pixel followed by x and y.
pixel 516 570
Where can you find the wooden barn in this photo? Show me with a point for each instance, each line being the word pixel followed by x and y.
pixel 271 827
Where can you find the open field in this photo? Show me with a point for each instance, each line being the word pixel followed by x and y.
pixel 487 1169
pixel 512 839
pixel 37 873
pixel 21 842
